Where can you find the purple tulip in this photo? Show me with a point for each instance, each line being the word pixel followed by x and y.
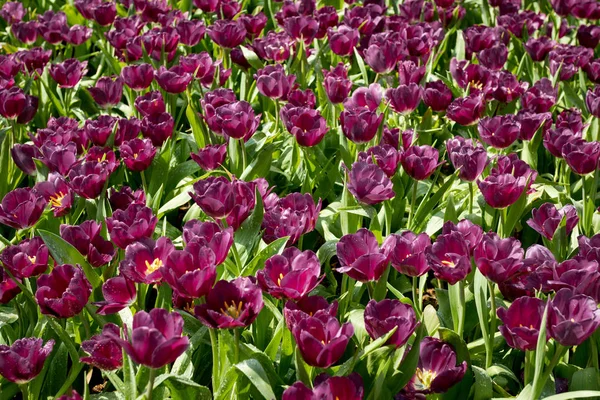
pixel 381 317
pixel 292 275
pixel 156 338
pixel 104 156
pixel 540 97
pixel 25 32
pixel 104 352
pixel 301 27
pixel 437 95
pixel 64 292
pixel 30 110
pixel 215 196
pixel 466 110
pixel 100 129
pixel 8 288
pixel 307 125
pixel 254 24
pixel 104 13
pixel 420 162
pixel 119 293
pixel 294 215
pixel 27 259
pixel 532 122
pixel 522 321
pixel 302 98
pixel 191 273
pixel 227 34
pixel 405 98
pixel 572 318
pixel 59 158
pixel 385 156
pixel 122 198
pixel 145 258
pixel 509 88
pixel 328 387
pixel 382 53
pixel 87 178
pixel 208 6
pixel 592 69
pixel 272 81
pixel 274 46
pixel 210 157
pixel 68 73
pixel 556 139
pixel 309 306
pixel 480 37
pixel 234 304
pixel 360 256
pixel 406 252
pixel 158 128
pixel 209 234
pixel 138 77
pixel 581 156
pixel 494 57
pixel 200 65
pixel 174 79
pixel 321 339
pixel 506 183
pixel 12 12
pixel 449 257
pixel 474 77
pixel 547 218
pixel 369 184
pixel 467 156
pixel 151 103
pixel 22 208
pixel 343 40
pixel 538 49
pixel 396 139
pixel 24 360
pixel 592 101
pixel 190 31
pixel 35 60
pixel 137 154
pixel 498 259
pixel 58 193
pixel 237 120
pixel 23 155
pixel 12 102
pixel 336 83
pixel 360 125
pixel 107 92
pixel 588 36
pixel 367 98
pixel 131 224
pixel 500 131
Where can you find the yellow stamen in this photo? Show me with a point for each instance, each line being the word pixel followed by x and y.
pixel 279 280
pixel 32 259
pixel 232 310
pixel 151 267
pixel 424 378
pixel 57 199
pixel 135 156
pixel 448 264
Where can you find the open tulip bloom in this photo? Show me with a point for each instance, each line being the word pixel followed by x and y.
pixel 300 199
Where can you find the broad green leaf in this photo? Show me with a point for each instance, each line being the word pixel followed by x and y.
pixel 361 66
pixel 540 349
pixel 257 376
pixel 258 262
pixel 251 57
pixel 248 234
pixel 580 394
pixel 182 388
pixel 483 384
pixel 196 125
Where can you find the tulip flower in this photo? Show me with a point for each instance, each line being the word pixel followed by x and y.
pixel 190 31
pixel 540 97
pixel 494 57
pixel 158 128
pixel 360 125
pixel 64 292
pixel 155 339
pixel 138 76
pixel 227 34
pixel 210 157
pixel 12 102
pixel 581 156
pixel 471 232
pixel 145 258
pixel 122 198
pixel 467 156
pixel 234 304
pixel 99 130
pixel 151 103
pixel 336 83
pixel 68 73
pixel 104 352
pixel 321 340
pixel 343 40
pixel 309 306
pixel 532 122
pixel 369 184
pixel 129 225
pixel 437 95
pixel 137 154
pixel 480 37
pixel 211 235
pixel 449 257
pixel 328 387
pixel 293 216
pixel 119 293
pixel 87 179
pixel 547 218
pixel 26 259
pixel 538 49
pixel 22 208
pixel 25 32
pixel 273 46
pixel 8 288
pixel 174 79
pixel 254 24
pixel 237 120
pixel 23 155
pixel 107 92
pixel 406 252
pixel 365 98
pixel 12 12
pixel 509 88
pixel 24 359
pixel 272 81
pixel 498 259
pixel 215 196
pixel 385 157
pixel 500 131
pixel 382 54
pixel 292 275
pixel 381 317
pixel 360 256
pixel 405 98
pixel 466 110
pixel 302 98
pixel 572 318
pixel 191 273
pixel 58 193
pixel 592 101
pixel 522 321
pixel 420 162
pixel 592 69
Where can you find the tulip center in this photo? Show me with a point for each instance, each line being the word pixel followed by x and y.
pixel 279 280
pixel 57 199
pixel 449 264
pixel 151 267
pixel 424 378
pixel 135 156
pixel 32 259
pixel 232 310
pixel 476 85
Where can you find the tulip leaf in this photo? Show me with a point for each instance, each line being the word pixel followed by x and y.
pixel 422 214
pixel 273 346
pixel 258 262
pixel 196 125
pixel 251 57
pixel 580 394
pixel 377 343
pixel 483 384
pixel 257 376
pixel 361 66
pixel 458 344
pixel 227 386
pixel 181 388
pixel 540 349
pixel 248 234
pixel 64 253
pixel 585 379
pixel 408 364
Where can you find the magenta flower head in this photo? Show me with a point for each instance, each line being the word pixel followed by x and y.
pixel 592 69
pixel 384 156
pixel 409 72
pixel 437 370
pixel 137 154
pixel 144 259
pixel 174 79
pixel 547 218
pixel 8 288
pixel 292 275
pixel 555 140
pixel 343 40
pixel 119 293
pixel 449 257
pixel 322 340
pixel 254 24
pixel 382 53
pixel 592 101
pixel 190 31
pixel 138 76
pixel 104 13
pixel 469 157
pixel 540 97
pixel 151 103
pixel 272 81
pixel 419 162
pixel 23 155
pixel 471 232
pixel 64 292
pixel 105 156
pixel 336 83
pixel 381 317
pixel 228 34
pixel 191 273
pixel 532 122
pixel 124 197
pixel 360 256
pixel 156 338
pixel 500 131
pixel 360 125
pixel 294 215
pixel 107 92
pixel 100 129
pixel 234 304
pixel 68 73
pixel 437 95
pixel 494 58
pixel 572 318
pixel 302 98
pixel 498 259
pixel 104 352
pixel 209 234
pixel 405 98
pixel 87 178
pixel 522 322
pixel 365 98
pixel 22 208
pixel 12 12
pixel 210 157
pixel 310 306
pixel 406 252
pixel 505 184
pixel 215 196
pixel 538 49
pixel 26 32
pixel 27 259
pixel 24 360
pixel 328 387
pixel 274 46
pixel 158 127
pixel 509 88
pixel 12 102
pixel 307 125
pixel 466 110
pixel 581 156
pixel 301 27
pixel 132 224
pixel 237 120
pixel 369 184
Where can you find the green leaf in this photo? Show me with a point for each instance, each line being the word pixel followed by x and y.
pixel 249 233
pixel 182 388
pixel 459 345
pixel 483 384
pixel 196 125
pixel 7 316
pixel 251 57
pixel 540 349
pixel 586 379
pixel 257 376
pixel 581 394
pixel 422 214
pixel 65 253
pixel 258 262
pixel 408 366
pixel 361 66
pixel 227 386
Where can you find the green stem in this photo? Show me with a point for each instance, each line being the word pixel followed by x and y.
pixel 416 299
pixel 236 346
pixel 539 383
pixel 461 317
pixel 243 149
pixel 489 354
pixel 236 258
pixel 25 390
pixel 151 383
pixel 413 204
pixel 371 290
pixel 144 185
pixel 529 366
pixel 216 370
pixel 471 197
pixel 276 115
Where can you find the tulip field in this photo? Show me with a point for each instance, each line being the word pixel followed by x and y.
pixel 299 199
